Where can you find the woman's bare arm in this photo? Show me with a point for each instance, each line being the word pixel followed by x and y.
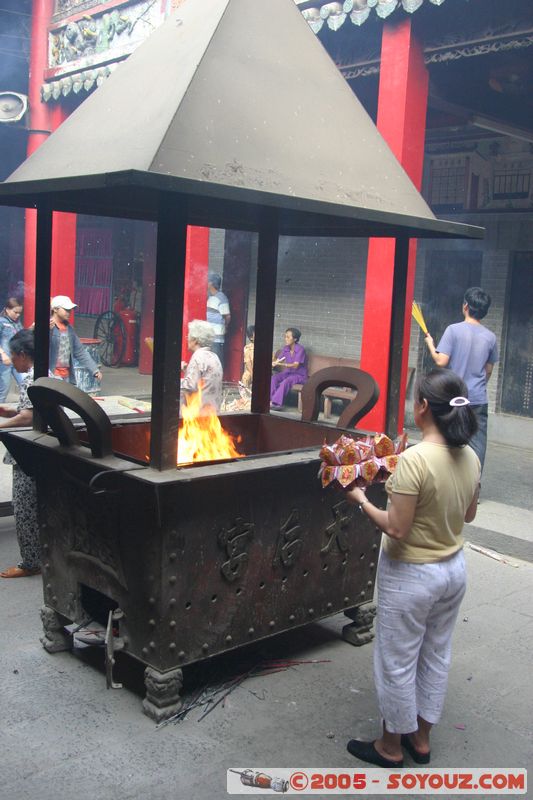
pixel 23 419
pixel 396 521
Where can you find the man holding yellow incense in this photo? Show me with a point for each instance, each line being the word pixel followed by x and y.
pixel 470 350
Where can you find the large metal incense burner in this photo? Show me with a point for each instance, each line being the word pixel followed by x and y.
pixel 199 560
pixel 190 562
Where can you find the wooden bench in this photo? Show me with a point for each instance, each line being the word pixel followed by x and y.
pixel 317 362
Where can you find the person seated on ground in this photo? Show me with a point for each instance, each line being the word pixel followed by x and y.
pixel 247 375
pixel 204 370
pixel 21 348
pixel 292 363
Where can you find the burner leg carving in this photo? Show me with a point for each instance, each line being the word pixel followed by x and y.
pixel 359 631
pixel 55 638
pixel 162 693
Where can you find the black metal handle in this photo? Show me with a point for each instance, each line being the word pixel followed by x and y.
pixel 349 377
pixel 48 396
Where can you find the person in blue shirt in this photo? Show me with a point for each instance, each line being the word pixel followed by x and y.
pixel 218 313
pixel 65 345
pixel 9 325
pixel 470 350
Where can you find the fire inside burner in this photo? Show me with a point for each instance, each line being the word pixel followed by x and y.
pixel 201 436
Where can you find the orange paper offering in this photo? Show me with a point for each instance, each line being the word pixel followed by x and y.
pixel 368 460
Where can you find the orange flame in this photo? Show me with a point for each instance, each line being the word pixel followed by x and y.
pixel 201 436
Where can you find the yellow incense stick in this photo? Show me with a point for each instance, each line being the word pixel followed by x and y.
pixel 418 316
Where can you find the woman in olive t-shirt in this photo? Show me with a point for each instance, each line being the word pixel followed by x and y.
pixel 421 573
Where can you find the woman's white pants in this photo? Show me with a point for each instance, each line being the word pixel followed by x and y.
pixel 417 609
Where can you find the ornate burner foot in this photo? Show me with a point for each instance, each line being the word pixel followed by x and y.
pixel 359 631
pixel 162 693
pixel 55 639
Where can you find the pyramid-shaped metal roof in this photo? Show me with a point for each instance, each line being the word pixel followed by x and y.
pixel 235 104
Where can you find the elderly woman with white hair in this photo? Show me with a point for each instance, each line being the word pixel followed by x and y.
pixel 204 367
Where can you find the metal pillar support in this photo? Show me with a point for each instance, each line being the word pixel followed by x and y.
pixel 237 262
pixel 395 388
pixel 168 313
pixel 43 263
pixel 267 270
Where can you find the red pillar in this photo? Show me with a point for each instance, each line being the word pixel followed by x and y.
pixel 63 235
pixel 44 119
pixel 196 268
pixel 40 128
pixel 402 106
pixel 194 304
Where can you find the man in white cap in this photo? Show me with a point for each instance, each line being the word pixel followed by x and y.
pixel 64 343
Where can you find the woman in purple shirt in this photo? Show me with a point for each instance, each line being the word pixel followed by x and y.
pixel 292 363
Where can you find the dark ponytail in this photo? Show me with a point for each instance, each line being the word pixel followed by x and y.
pixel 456 423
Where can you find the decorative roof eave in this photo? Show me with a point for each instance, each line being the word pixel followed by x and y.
pixel 441 52
pixel 77 82
pixel 335 14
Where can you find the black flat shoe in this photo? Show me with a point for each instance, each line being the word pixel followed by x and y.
pixel 365 751
pixel 416 755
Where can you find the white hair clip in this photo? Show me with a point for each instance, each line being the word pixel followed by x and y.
pixel 459 401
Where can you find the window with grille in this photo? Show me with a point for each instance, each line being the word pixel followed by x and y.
pixel 511 185
pixel 447 188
